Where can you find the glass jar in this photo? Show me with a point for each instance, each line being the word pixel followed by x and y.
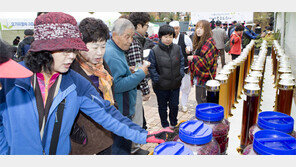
pixel 213 115
pixel 271 142
pixel 198 137
pixel 273 120
pixel 223 93
pixel 212 87
pixel 250 112
pixel 285 96
pixel 172 148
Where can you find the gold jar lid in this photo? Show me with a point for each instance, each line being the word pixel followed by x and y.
pixel 286 84
pixel 222 78
pixel 212 85
pixel 252 89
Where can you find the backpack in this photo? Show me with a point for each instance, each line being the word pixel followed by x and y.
pixel 227 46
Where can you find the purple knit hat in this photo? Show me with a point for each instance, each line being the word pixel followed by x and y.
pixel 56 31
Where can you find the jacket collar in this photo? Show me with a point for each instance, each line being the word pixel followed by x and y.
pixel 111 41
pixel 165 47
pixel 25 83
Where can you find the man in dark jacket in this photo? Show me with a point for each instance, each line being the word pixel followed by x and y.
pixel 24 46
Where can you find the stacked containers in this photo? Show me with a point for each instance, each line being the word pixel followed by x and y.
pixel 272 120
pixel 213 115
pixel 271 142
pixel 172 148
pixel 198 137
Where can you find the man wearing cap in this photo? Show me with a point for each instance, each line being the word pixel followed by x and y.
pixel 37 113
pixel 125 82
pixel 220 37
pixel 25 44
pixel 248 34
pixel 185 43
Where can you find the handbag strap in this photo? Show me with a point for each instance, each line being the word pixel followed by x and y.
pixel 57 128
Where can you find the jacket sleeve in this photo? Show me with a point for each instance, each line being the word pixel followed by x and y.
pixel 250 34
pixel 152 68
pixel 182 64
pixel 122 82
pixel 19 49
pixel 111 119
pixel 3 142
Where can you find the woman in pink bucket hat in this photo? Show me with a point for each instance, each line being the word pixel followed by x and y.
pixel 37 112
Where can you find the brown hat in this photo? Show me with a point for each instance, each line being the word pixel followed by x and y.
pixel 56 31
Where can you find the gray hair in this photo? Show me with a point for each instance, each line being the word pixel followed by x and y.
pixel 121 24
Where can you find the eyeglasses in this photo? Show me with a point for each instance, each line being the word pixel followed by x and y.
pixel 146 25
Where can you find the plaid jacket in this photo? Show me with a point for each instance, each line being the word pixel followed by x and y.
pixel 133 56
pixel 204 65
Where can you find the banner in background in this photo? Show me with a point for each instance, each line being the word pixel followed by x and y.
pixel 228 17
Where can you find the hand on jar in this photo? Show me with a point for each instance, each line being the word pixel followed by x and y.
pixel 159 136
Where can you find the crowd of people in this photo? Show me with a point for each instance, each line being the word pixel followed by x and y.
pixel 80 90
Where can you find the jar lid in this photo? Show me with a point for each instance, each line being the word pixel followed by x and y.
pixel 222 78
pixel 212 85
pixel 209 112
pixel 225 71
pixel 287 76
pixel 257 68
pixel 275 121
pixel 285 70
pixel 286 84
pixel 172 148
pixel 252 89
pixel 256 74
pixel 252 79
pixel 195 132
pixel 272 142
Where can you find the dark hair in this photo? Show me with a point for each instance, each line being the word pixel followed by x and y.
pixel 29 32
pixel 199 41
pixel 165 30
pixel 93 30
pixel 139 18
pixel 239 28
pixel 39 13
pixel 218 23
pixel 38 61
pixel 234 22
pixel 6 51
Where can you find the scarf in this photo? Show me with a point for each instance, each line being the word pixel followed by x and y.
pixel 105 79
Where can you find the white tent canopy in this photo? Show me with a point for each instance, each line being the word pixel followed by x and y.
pixel 25 20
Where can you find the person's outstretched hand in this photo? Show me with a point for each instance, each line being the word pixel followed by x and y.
pixel 159 136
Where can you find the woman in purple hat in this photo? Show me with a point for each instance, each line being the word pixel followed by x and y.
pixel 37 113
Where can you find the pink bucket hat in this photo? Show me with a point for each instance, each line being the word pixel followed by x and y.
pixel 56 31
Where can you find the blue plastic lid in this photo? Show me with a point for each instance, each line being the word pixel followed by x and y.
pixel 195 132
pixel 272 142
pixel 275 121
pixel 209 112
pixel 172 148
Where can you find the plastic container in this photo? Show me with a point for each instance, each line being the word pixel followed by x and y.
pixel 213 115
pixel 198 137
pixel 271 142
pixel 172 148
pixel 271 120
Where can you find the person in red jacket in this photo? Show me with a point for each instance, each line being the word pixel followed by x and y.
pixel 236 42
